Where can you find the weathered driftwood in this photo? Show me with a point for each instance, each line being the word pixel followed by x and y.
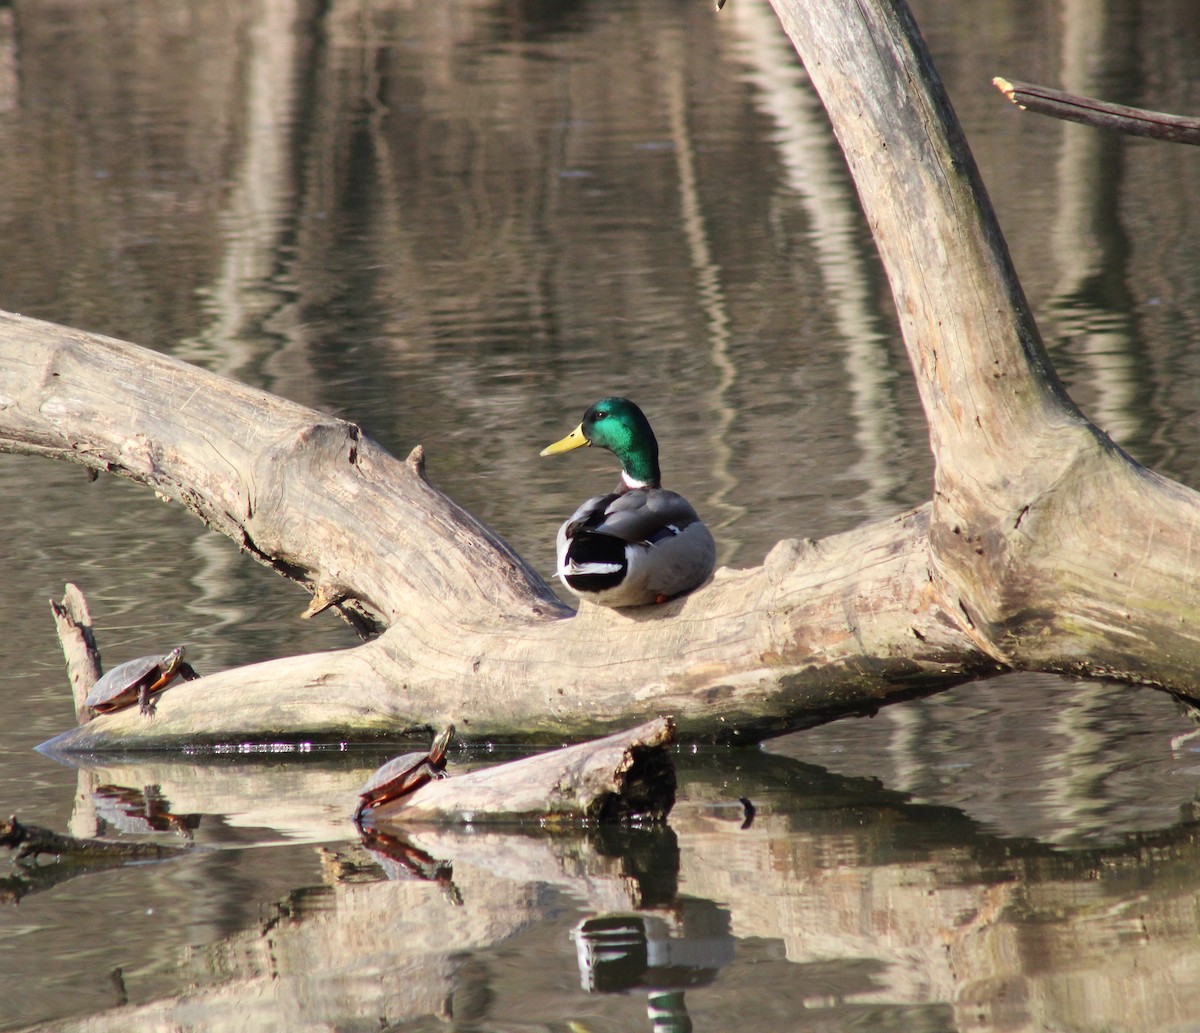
pixel 1051 546
pixel 474 635
pixel 624 777
pixel 1045 546
pixel 73 621
pixel 1100 114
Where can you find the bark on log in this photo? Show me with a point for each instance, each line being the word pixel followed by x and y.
pixel 1100 114
pixel 624 777
pixel 1045 546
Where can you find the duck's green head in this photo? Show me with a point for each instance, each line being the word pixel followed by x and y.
pixel 621 427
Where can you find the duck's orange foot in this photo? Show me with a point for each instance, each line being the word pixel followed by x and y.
pixel 660 598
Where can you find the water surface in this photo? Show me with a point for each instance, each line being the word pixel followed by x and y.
pixel 457 224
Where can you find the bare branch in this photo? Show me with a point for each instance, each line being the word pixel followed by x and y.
pixel 1101 114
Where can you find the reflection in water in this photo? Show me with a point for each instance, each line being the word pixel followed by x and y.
pixel 215 603
pixel 400 859
pixel 842 901
pixel 1065 762
pixel 712 300
pixel 129 811
pixel 246 297
pixel 653 955
pixel 1091 314
pixel 816 174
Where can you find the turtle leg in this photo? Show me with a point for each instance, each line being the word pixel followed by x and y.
pixel 187 672
pixel 146 703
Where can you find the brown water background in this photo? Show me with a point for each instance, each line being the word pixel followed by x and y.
pixel 457 224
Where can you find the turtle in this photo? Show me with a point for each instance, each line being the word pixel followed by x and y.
pixel 138 680
pixel 405 774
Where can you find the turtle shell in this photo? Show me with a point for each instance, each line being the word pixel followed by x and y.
pixel 398 776
pixel 120 687
pixel 405 774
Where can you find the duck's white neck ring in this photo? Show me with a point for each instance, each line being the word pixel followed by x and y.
pixel 629 483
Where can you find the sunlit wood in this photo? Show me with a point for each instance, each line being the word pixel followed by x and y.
pixel 1044 548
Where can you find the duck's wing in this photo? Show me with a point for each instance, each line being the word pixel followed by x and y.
pixel 645 515
pixel 587 517
pixel 590 515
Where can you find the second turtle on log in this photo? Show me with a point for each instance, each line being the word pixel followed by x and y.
pixel 405 774
pixel 139 681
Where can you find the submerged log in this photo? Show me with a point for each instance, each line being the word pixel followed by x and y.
pixel 31 841
pixel 627 777
pixel 74 856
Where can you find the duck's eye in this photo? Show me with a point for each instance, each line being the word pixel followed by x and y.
pixel 600 415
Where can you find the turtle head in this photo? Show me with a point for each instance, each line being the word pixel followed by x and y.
pixel 441 743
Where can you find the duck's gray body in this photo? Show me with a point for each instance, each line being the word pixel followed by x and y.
pixel 633 548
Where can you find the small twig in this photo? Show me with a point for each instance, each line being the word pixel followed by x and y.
pixel 324 597
pixel 1099 113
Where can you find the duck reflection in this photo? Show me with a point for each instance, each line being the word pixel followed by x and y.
pixel 657 955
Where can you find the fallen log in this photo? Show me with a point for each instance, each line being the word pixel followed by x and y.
pixel 821 630
pixel 627 777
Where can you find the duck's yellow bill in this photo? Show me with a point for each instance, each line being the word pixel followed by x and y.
pixel 573 440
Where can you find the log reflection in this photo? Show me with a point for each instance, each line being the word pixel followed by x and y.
pixel 840 901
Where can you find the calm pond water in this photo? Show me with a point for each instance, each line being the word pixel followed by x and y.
pixel 457 224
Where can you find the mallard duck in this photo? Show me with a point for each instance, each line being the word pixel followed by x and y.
pixel 641 544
